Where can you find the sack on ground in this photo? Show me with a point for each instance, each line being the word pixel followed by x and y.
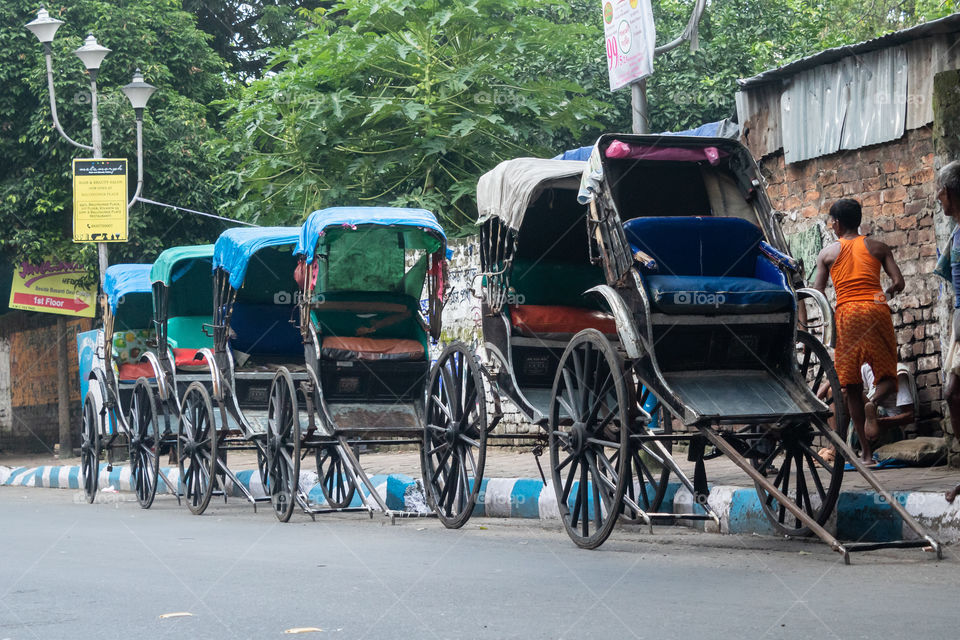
pixel 923 452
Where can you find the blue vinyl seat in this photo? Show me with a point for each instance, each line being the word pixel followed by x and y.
pixel 708 265
pixel 265 330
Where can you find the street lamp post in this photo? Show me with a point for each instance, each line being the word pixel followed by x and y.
pixel 91 54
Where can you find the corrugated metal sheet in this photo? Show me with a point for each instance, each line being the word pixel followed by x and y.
pixel 758 111
pixel 877 94
pixel 812 111
pixel 947 25
pixel 925 59
pixel 849 103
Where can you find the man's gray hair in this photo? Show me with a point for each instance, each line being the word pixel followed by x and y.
pixel 949 178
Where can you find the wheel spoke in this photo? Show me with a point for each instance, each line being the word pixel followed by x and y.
pixel 440 464
pixel 584 482
pixel 597 503
pixel 439 447
pixel 785 489
pixel 469 441
pixel 571 476
pixel 815 475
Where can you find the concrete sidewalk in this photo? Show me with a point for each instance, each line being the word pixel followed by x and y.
pixel 513 488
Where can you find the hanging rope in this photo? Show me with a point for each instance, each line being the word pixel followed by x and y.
pixel 199 213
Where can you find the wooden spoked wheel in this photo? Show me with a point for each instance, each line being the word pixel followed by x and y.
pixel 647 480
pixel 197 447
pixel 336 484
pixel 283 445
pixel 589 429
pixel 791 455
pixel 454 435
pixel 144 443
pixel 90 446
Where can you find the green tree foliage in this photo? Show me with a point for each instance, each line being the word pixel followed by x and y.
pixel 405 102
pixel 35 186
pixel 242 30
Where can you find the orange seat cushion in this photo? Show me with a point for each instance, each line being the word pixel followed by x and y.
pixel 346 348
pixel 132 371
pixel 184 359
pixel 534 320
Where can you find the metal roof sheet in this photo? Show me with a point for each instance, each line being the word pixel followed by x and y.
pixel 949 24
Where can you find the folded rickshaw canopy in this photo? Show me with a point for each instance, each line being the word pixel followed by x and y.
pixel 124 279
pixel 507 190
pixel 235 248
pixel 166 268
pixel 322 220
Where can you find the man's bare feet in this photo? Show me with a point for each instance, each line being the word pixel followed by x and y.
pixel 827 454
pixel 952 494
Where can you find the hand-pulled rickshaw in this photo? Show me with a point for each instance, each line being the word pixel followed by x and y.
pixel 253 336
pixel 120 407
pixel 676 238
pixel 182 282
pixel 369 379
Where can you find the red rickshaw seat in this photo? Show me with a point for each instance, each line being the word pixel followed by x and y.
pixel 353 348
pixel 185 359
pixel 134 370
pixel 555 321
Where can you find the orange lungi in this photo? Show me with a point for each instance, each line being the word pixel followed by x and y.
pixel 865 335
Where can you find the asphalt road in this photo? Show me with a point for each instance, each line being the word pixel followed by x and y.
pixel 112 570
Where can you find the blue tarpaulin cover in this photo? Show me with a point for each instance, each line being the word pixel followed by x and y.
pixel 324 219
pixel 235 247
pixel 123 279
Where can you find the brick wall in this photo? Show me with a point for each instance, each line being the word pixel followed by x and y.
pixel 895 184
pixel 30 407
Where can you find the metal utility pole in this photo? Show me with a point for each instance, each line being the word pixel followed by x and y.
pixel 638 89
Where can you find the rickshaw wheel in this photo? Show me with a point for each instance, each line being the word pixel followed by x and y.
pixel 90 447
pixel 454 435
pixel 197 447
pixel 144 443
pixel 586 439
pixel 336 484
pixel 802 471
pixel 283 445
pixel 645 484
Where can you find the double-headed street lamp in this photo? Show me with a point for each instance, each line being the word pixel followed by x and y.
pixel 91 54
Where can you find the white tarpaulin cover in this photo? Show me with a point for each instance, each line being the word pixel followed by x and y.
pixel 507 190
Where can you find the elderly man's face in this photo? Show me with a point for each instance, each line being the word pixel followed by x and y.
pixel 950 207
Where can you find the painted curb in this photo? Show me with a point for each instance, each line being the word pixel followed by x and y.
pixel 860 515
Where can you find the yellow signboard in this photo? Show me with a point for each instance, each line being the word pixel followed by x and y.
pixel 51 287
pixel 99 200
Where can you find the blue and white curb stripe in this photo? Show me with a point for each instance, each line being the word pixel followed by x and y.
pixel 859 515
pixel 400 492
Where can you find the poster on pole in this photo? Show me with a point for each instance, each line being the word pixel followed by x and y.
pixel 630 39
pixel 52 287
pixel 99 200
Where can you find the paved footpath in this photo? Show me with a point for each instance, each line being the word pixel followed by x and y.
pixel 512 488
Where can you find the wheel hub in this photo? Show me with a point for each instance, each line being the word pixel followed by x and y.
pixel 578 437
pixel 452 434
